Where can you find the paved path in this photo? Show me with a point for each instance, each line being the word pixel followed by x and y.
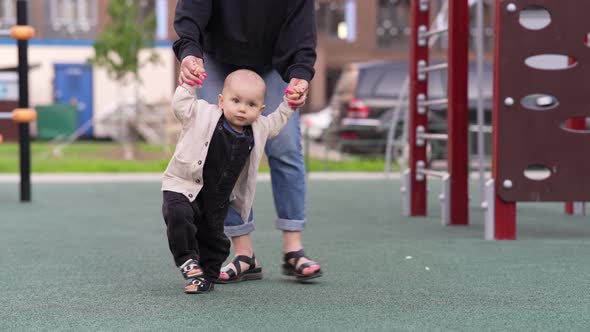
pixel 148 177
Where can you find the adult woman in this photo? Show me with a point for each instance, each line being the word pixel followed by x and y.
pixel 276 39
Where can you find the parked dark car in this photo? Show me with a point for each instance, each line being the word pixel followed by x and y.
pixel 367 93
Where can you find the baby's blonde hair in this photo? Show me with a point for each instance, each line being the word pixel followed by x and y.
pixel 245 76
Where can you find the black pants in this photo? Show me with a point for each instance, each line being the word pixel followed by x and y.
pixel 195 230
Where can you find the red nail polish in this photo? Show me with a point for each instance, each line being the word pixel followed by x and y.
pixel 191 83
pixel 287 91
pixel 205 75
pixel 199 82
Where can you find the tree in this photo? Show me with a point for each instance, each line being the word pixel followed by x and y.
pixel 132 28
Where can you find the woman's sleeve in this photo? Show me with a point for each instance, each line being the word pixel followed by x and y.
pixel 295 50
pixel 190 20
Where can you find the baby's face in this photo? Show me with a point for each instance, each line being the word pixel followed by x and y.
pixel 241 103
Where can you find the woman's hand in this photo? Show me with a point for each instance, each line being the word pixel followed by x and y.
pixel 300 87
pixel 192 70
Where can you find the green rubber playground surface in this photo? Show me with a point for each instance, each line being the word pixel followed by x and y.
pixel 94 257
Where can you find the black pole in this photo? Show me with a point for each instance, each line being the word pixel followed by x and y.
pixel 23 102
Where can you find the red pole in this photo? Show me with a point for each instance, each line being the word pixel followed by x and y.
pixel 504 212
pixel 457 113
pixel 576 124
pixel 419 17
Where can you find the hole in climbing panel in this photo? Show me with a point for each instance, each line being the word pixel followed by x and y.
pixel 537 172
pixel 539 102
pixel 534 18
pixel 578 125
pixel 551 61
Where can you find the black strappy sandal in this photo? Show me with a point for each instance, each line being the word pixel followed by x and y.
pixel 198 285
pixel 189 269
pixel 252 273
pixel 291 270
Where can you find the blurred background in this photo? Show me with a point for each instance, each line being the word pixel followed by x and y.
pixel 84 111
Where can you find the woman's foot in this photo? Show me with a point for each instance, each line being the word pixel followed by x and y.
pixel 292 244
pixel 311 269
pixel 298 265
pixel 241 268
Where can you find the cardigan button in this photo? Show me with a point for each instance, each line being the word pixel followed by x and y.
pixel 206 143
pixel 198 181
pixel 190 195
pixel 199 162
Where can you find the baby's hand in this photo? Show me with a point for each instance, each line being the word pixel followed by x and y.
pixel 291 94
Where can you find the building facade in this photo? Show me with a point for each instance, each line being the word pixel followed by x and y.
pixel 348 31
pixel 366 30
pixel 65 33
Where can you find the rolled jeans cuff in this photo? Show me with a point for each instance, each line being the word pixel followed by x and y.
pixel 239 230
pixel 290 225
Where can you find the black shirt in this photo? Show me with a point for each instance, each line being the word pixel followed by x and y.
pixel 226 157
pixel 250 33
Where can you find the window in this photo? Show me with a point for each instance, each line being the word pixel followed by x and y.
pixel 393 24
pixel 488 26
pixel 147 7
pixel 7 13
pixel 488 23
pixel 337 19
pixel 74 19
pixel 161 9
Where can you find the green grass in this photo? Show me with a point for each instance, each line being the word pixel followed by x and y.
pixel 106 157
pixel 84 157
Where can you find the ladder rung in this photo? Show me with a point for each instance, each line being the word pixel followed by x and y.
pixel 433 102
pixel 441 66
pixel 433 33
pixel 475 129
pixel 432 173
pixel 430 136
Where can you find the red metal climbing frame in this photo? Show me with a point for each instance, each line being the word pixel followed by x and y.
pixel 551 137
pixel 457 116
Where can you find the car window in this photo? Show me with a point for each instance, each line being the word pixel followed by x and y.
pixel 390 83
pixel 386 80
pixel 487 81
pixel 382 81
pixel 437 84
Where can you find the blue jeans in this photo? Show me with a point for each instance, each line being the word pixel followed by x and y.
pixel 284 152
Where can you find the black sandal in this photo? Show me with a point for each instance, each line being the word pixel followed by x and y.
pixel 188 269
pixel 291 270
pixel 201 286
pixel 252 273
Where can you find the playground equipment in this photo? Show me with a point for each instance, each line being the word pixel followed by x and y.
pixel 454 198
pixel 539 138
pixel 22 115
